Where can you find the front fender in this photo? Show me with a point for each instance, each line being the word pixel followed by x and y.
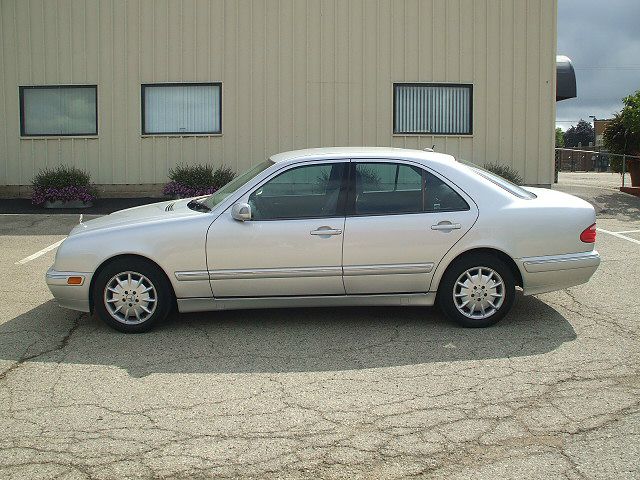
pixel 173 244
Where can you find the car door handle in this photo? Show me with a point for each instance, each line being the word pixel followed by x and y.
pixel 446 226
pixel 326 231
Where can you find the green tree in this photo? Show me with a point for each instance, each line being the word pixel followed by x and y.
pixel 559 138
pixel 622 136
pixel 581 134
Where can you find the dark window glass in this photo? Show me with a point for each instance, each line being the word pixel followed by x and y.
pixel 59 110
pixel 310 191
pixel 441 197
pixel 387 188
pixel 395 188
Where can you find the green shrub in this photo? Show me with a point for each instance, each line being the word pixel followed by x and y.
pixel 615 164
pixel 196 180
pixel 192 175
pixel 201 176
pixel 62 183
pixel 222 176
pixel 60 177
pixel 504 171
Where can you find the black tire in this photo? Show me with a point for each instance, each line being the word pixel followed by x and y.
pixel 449 287
pixel 148 274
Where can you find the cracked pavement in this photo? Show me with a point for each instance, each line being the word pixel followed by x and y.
pixel 550 392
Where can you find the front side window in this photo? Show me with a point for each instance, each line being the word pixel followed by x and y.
pixel 182 109
pixel 60 110
pixel 310 191
pixel 396 188
pixel 432 109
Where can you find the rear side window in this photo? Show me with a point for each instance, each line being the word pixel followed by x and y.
pixel 440 197
pixel 396 188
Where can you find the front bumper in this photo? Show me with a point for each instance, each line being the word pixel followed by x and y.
pixel 555 272
pixel 75 297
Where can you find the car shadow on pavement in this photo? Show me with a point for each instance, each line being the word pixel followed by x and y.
pixel 617 204
pixel 609 203
pixel 284 340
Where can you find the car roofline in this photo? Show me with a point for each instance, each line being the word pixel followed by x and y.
pixel 313 154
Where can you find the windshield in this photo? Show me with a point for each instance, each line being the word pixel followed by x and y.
pixel 218 197
pixel 510 187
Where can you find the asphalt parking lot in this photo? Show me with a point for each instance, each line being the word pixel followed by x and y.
pixel 550 392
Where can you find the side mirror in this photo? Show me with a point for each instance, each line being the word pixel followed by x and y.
pixel 241 212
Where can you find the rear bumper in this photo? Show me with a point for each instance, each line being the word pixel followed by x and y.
pixel 75 297
pixel 555 272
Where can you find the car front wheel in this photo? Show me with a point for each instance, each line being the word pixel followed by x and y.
pixel 477 291
pixel 132 295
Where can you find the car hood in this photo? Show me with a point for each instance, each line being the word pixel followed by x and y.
pixel 137 215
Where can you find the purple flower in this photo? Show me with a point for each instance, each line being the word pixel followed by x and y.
pixel 65 194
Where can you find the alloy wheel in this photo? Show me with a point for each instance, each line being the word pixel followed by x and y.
pixel 130 298
pixel 478 293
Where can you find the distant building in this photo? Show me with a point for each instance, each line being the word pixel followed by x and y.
pixel 600 126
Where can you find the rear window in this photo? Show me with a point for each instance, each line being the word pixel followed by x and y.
pixel 503 183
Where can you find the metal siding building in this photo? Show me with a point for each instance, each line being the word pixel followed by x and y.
pixel 293 74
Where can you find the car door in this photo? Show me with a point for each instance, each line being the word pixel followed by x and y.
pixel 401 221
pixel 292 245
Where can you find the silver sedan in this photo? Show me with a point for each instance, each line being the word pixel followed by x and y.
pixel 332 227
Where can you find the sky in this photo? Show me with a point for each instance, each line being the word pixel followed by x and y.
pixel 602 38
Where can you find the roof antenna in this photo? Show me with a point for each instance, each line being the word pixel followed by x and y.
pixel 429 149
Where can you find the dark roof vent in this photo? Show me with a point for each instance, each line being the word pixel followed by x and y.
pixel 565 79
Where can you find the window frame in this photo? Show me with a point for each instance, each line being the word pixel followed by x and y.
pixel 351 195
pixel 144 133
pixel 23 133
pixel 468 86
pixel 342 195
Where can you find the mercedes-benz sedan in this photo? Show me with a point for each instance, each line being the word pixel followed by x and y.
pixel 332 227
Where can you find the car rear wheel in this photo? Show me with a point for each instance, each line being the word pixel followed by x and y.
pixel 132 295
pixel 477 291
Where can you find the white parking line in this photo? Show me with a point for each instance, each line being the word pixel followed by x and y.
pixel 619 235
pixel 43 214
pixel 39 253
pixel 630 231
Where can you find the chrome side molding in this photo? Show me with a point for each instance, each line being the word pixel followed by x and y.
pixel 349 271
pixel 192 276
pixel 275 273
pixel 186 305
pixel 396 269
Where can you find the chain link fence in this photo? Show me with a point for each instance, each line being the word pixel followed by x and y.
pixel 596 160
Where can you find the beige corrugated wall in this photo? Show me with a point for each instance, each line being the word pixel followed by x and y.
pixel 295 73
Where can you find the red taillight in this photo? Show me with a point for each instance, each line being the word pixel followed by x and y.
pixel 589 234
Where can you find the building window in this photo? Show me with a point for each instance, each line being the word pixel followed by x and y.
pixel 59 110
pixel 182 109
pixel 432 109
